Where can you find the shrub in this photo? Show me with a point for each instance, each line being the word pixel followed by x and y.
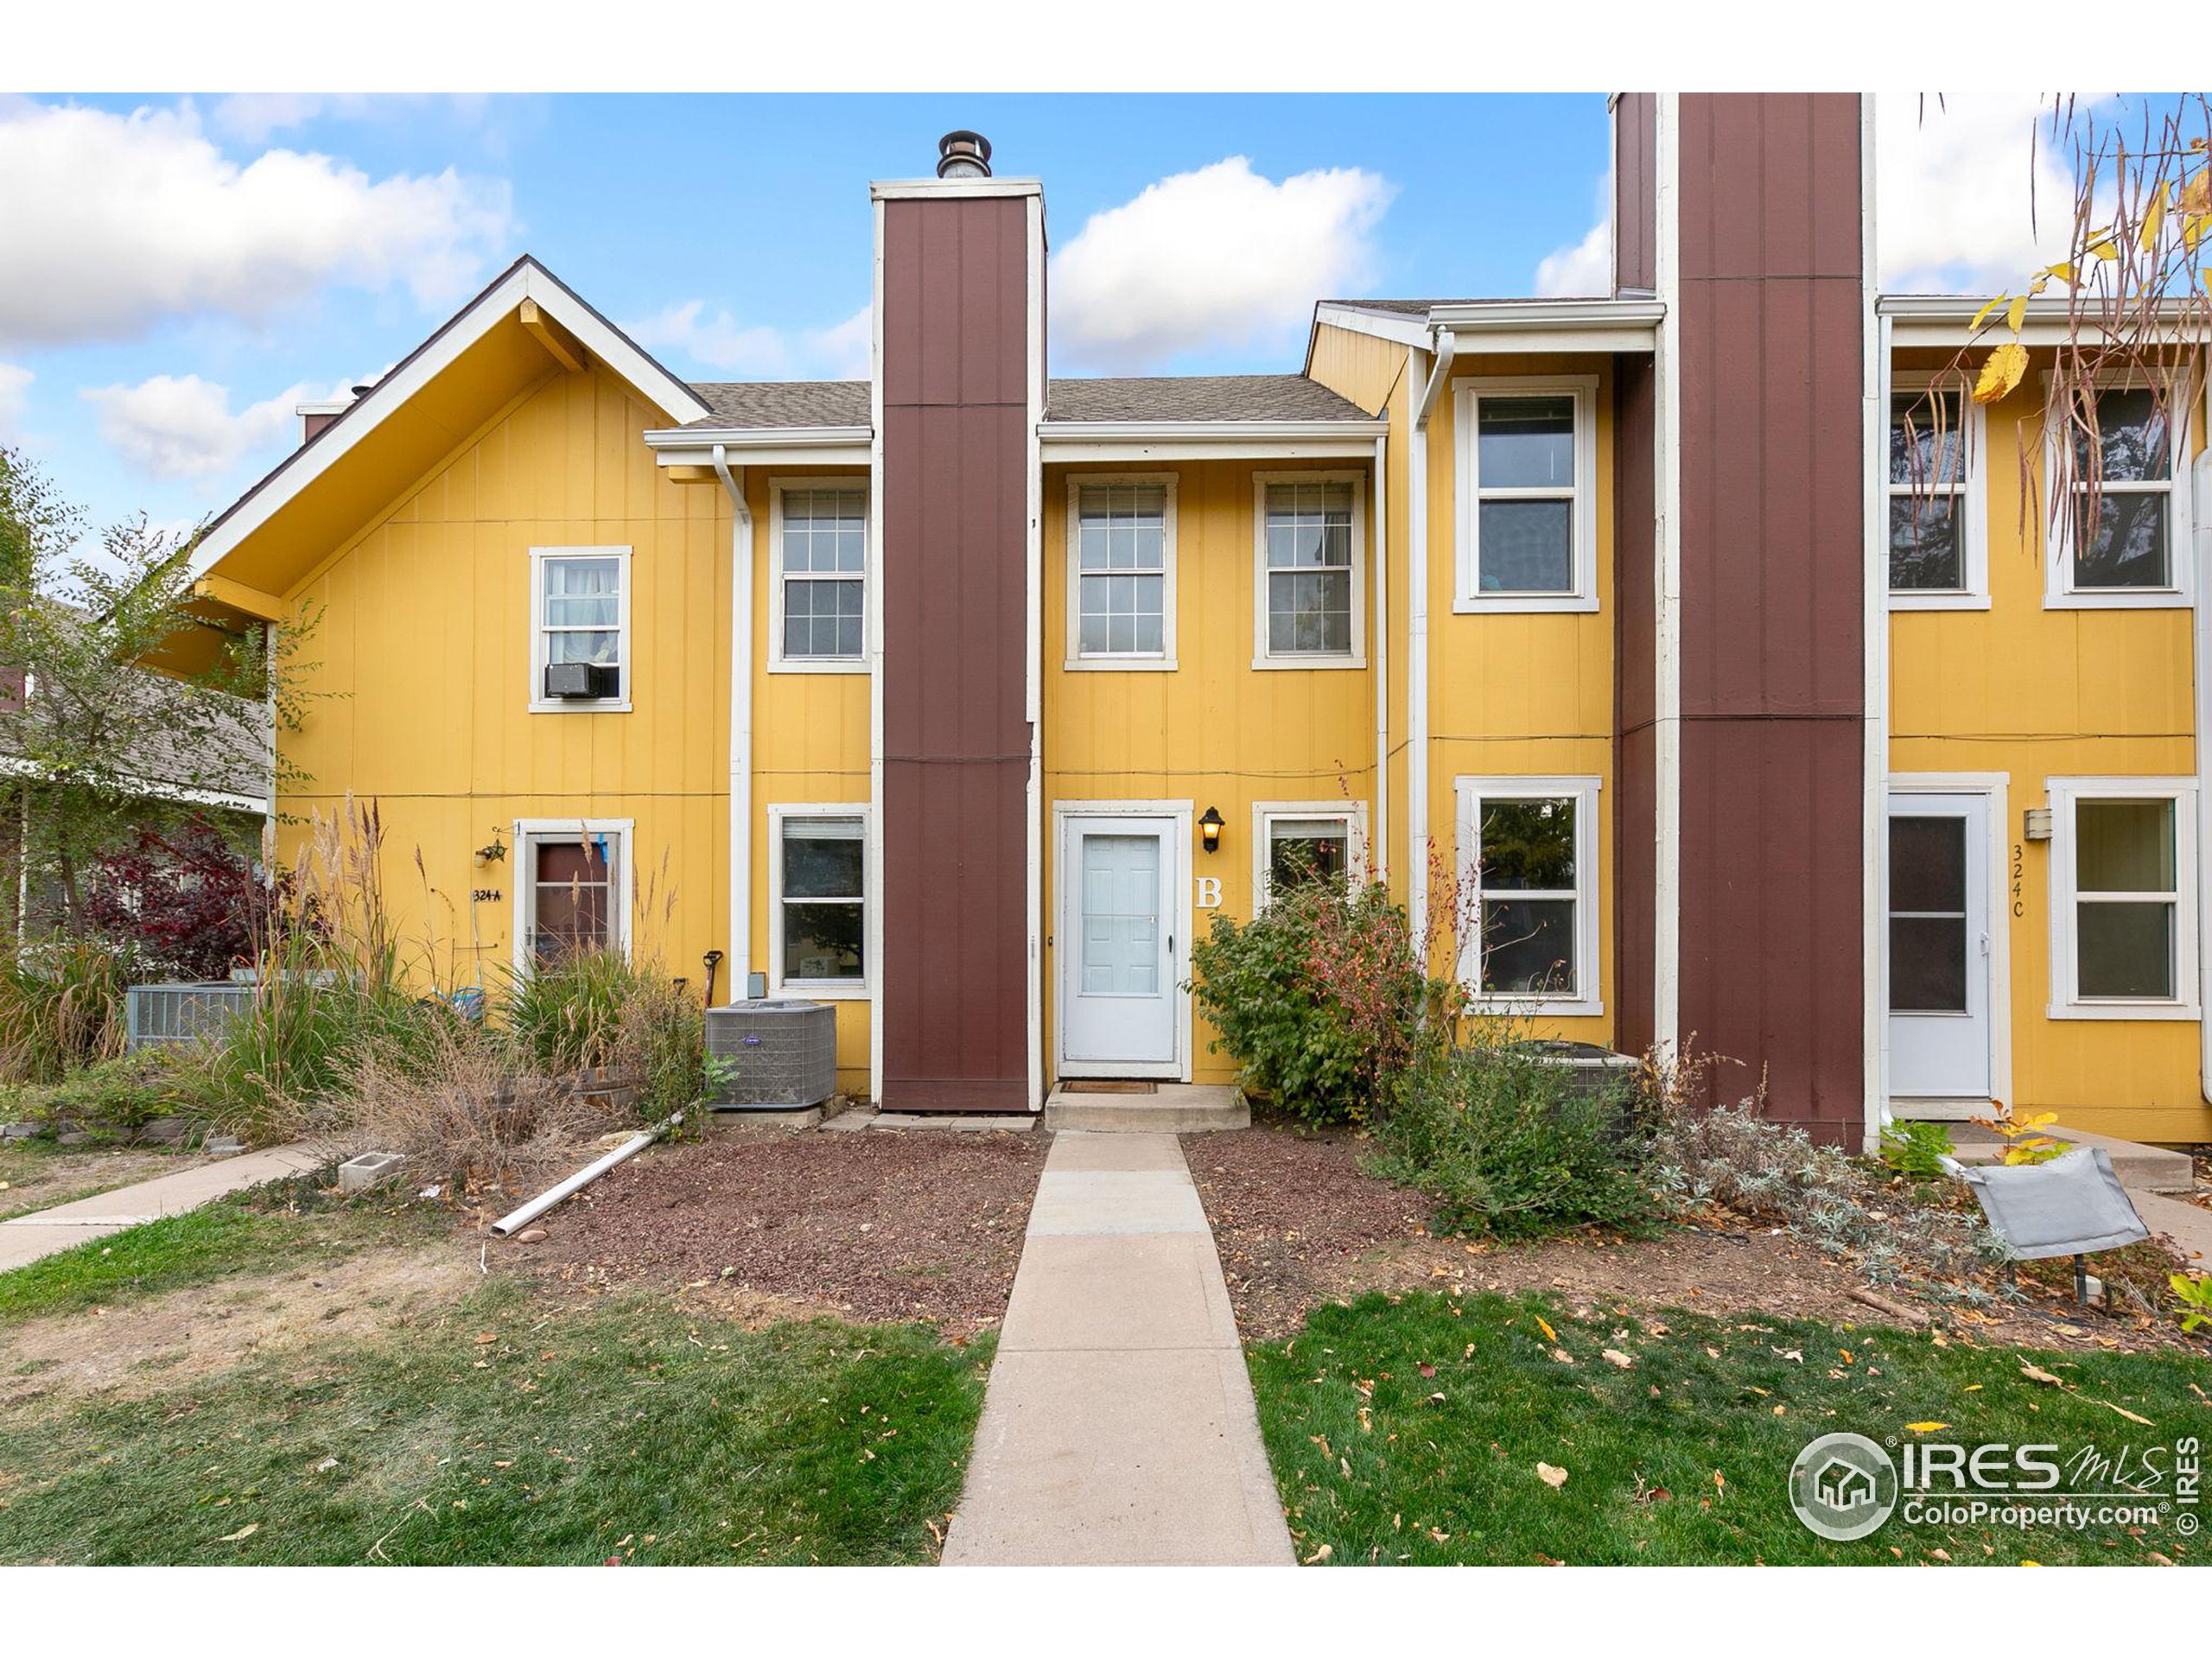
pixel 568 1016
pixel 1506 1145
pixel 1915 1149
pixel 184 902
pixel 61 1008
pixel 661 1040
pixel 114 1096
pixel 1319 999
pixel 1733 1157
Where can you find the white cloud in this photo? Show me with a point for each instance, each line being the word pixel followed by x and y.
pixel 15 392
pixel 1951 197
pixel 758 351
pixel 1218 257
pixel 252 117
pixel 181 426
pixel 114 221
pixel 1585 267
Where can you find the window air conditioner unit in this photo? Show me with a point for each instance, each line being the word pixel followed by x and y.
pixel 568 680
pixel 780 1054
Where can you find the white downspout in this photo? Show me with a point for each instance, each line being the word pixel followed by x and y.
pixel 1378 840
pixel 1874 874
pixel 740 728
pixel 1447 347
pixel 2200 633
pixel 1666 694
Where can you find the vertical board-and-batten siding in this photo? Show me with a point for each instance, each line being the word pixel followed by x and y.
pixel 956 742
pixel 1773 687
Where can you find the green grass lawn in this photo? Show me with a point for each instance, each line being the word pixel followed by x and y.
pixel 1410 1431
pixel 217 1241
pixel 497 1432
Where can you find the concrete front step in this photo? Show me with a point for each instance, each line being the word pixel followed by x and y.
pixel 2146 1169
pixel 1177 1108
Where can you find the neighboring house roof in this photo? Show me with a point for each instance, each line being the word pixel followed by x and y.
pixel 1402 308
pixel 227 768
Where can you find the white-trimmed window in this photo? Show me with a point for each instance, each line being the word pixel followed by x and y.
pixel 2123 898
pixel 1527 468
pixel 572 887
pixel 817 599
pixel 1529 858
pixel 1310 608
pixel 1306 841
pixel 579 628
pixel 2133 550
pixel 817 875
pixel 1121 571
pixel 1938 502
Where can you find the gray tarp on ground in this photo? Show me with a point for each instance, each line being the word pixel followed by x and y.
pixel 2072 1205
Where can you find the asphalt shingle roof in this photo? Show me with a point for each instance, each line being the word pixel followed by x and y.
pixel 772 404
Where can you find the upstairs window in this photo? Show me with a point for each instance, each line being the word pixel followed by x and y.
pixel 1529 856
pixel 580 628
pixel 1936 510
pixel 1122 572
pixel 818 598
pixel 1311 607
pixel 1528 494
pixel 2120 539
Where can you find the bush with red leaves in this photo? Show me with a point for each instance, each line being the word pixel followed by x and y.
pixel 186 900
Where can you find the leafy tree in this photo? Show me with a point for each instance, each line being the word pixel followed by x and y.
pixel 100 747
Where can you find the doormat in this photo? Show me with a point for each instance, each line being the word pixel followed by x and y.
pixel 1087 1087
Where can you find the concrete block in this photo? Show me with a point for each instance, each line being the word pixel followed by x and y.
pixel 1013 1123
pixel 1082 1149
pixel 1177 1108
pixel 747 1118
pixel 1115 1201
pixel 360 1174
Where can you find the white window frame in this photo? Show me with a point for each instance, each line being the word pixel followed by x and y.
pixel 826 990
pixel 1468 394
pixel 778 662
pixel 1076 659
pixel 2059 592
pixel 1972 490
pixel 1587 997
pixel 2066 999
pixel 1356 657
pixel 530 831
pixel 539 704
pixel 1352 814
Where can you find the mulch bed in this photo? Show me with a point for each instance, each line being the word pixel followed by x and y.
pixel 870 1226
pixel 1297 1223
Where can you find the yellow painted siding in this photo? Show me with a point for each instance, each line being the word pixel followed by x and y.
pixel 1521 695
pixel 1215 732
pixel 425 639
pixel 2035 694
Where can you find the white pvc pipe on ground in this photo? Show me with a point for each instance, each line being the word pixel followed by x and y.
pixel 582 1179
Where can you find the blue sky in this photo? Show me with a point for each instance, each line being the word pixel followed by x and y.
pixel 181 271
pixel 753 207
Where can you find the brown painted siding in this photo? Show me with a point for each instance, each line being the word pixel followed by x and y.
pixel 1636 198
pixel 956 745
pixel 1636 760
pixel 1772 681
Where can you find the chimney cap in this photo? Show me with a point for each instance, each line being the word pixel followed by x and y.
pixel 963 155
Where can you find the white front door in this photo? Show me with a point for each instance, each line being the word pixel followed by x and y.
pixel 1120 947
pixel 1940 1019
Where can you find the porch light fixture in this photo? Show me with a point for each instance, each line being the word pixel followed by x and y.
pixel 1209 830
pixel 2035 824
pixel 494 854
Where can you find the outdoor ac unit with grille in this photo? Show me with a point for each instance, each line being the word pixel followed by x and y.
pixel 781 1054
pixel 159 1016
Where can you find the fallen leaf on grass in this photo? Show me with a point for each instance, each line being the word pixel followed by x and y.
pixel 1926 1429
pixel 1319 1555
pixel 245 1531
pixel 1614 1357
pixel 1551 1475
pixel 489 1336
pixel 1562 1356
pixel 2037 1374
pixel 1550 1335
pixel 2122 1410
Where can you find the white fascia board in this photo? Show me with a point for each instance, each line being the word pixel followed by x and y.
pixel 794 446
pixel 916 189
pixel 1553 325
pixel 152 789
pixel 528 280
pixel 1947 320
pixel 1161 440
pixel 1400 327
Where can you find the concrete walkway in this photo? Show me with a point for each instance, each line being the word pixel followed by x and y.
pixel 1119 1428
pixel 27 1238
